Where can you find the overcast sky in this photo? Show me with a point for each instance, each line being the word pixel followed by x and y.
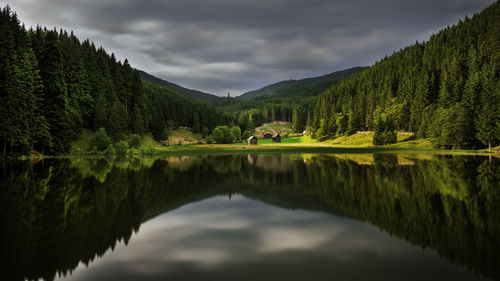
pixel 221 46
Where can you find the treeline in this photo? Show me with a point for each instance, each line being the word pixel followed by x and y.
pixel 301 88
pixel 52 86
pixel 264 110
pixel 447 89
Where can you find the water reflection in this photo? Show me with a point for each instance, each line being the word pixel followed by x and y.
pixel 227 216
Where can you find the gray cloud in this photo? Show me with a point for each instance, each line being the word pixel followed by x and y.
pixel 239 45
pixel 243 239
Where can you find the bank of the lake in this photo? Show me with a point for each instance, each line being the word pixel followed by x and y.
pixel 360 142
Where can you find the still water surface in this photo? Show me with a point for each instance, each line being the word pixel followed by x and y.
pixel 252 217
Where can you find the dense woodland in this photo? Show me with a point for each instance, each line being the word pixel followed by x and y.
pixel 447 89
pixel 52 86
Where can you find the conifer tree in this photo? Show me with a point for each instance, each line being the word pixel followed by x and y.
pixel 308 124
pixel 196 122
pixel 487 121
pixel 250 124
pixel 55 94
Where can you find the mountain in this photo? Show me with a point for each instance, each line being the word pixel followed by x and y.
pixel 303 87
pixel 446 89
pixel 52 86
pixel 185 91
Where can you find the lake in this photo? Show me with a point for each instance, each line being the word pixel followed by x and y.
pixel 252 217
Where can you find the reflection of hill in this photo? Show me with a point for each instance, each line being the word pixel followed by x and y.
pixel 368 159
pixel 272 162
pixel 59 213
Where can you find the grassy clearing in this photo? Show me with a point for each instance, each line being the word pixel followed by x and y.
pixel 273 128
pixel 365 139
pixel 184 136
pixel 359 143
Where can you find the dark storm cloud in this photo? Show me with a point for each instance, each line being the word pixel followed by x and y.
pixel 228 45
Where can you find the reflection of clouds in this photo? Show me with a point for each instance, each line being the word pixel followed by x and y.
pixel 275 240
pixel 221 240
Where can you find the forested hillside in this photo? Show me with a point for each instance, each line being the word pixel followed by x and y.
pixel 52 86
pixel 447 89
pixel 287 101
pixel 303 87
pixel 188 92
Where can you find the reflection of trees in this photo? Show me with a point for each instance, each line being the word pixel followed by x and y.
pixel 58 213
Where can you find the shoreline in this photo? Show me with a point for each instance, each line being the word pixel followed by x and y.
pixel 269 149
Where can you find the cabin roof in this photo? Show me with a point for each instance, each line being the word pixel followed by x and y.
pixel 276 135
pixel 252 137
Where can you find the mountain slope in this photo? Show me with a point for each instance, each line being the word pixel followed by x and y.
pixel 52 86
pixel 185 91
pixel 303 87
pixel 447 89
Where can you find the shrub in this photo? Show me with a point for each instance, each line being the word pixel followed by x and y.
pixel 121 147
pixel 100 141
pixel 148 150
pixel 222 134
pixel 110 150
pixel 218 135
pixel 135 141
pixel 209 139
pixel 236 131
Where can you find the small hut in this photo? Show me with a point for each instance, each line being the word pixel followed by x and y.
pixel 277 137
pixel 267 135
pixel 252 140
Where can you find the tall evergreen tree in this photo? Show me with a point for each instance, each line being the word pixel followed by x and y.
pixel 488 115
pixel 55 102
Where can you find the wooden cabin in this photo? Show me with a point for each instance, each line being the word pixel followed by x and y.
pixel 268 135
pixel 252 140
pixel 277 137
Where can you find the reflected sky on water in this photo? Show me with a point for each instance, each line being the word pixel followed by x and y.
pixel 223 238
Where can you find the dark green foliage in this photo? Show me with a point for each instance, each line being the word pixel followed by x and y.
pixel 218 135
pixel 236 131
pixel 117 121
pixel 52 86
pixel 308 124
pixel 489 112
pixel 280 101
pixel 250 124
pixel 121 147
pixel 384 130
pixel 445 89
pixel 100 141
pixel 222 134
pixel 55 101
pixel 196 122
pixel 342 124
pixel 246 135
pixel 169 110
pixel 303 87
pixel 298 120
pixel 184 91
pixel 353 122
pixel 135 141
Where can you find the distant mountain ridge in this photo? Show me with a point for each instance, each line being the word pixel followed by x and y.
pixel 185 91
pixel 303 87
